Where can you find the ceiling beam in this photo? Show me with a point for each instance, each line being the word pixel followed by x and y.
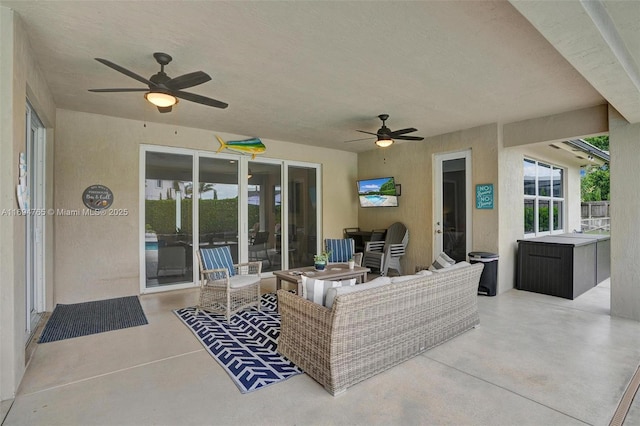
pixel 592 36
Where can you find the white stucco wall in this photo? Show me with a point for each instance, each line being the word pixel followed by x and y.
pixel 511 228
pixel 624 142
pixel 495 230
pixel 411 164
pixel 97 257
pixel 21 79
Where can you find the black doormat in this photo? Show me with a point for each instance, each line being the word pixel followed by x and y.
pixel 82 319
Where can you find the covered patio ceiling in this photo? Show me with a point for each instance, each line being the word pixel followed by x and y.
pixel 314 72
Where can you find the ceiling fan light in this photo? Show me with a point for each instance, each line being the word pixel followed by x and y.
pixel 160 99
pixel 384 141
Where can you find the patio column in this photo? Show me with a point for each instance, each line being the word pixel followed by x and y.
pixel 624 142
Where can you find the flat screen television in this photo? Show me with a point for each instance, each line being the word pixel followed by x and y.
pixel 378 192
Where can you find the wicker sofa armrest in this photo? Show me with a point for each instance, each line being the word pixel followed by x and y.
pixel 305 333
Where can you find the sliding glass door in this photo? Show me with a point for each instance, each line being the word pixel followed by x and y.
pixel 218 195
pixel 302 217
pixel 195 199
pixel 264 224
pixel 168 222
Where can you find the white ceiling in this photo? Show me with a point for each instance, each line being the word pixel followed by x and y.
pixel 313 72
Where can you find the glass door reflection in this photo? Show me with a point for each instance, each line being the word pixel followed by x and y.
pixel 454 208
pixel 218 204
pixel 168 219
pixel 302 215
pixel 264 215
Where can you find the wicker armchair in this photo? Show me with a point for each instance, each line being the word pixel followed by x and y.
pixel 226 288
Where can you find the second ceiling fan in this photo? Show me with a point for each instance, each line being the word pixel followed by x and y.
pixel 385 136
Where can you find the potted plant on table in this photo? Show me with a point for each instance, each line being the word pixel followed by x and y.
pixel 320 260
pixel 352 263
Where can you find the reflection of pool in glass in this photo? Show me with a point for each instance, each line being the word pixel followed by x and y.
pixel 151 256
pixel 375 199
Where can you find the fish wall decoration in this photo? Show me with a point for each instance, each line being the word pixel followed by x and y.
pixel 251 146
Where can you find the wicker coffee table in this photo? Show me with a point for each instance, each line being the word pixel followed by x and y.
pixel 334 271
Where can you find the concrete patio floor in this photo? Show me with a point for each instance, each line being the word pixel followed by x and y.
pixel 534 360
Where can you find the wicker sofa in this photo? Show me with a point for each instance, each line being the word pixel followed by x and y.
pixel 368 331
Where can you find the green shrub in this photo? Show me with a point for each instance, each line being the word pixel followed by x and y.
pixel 215 215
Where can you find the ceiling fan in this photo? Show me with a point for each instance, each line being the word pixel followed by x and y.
pixel 386 136
pixel 164 91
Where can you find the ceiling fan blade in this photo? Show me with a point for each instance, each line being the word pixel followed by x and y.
pixel 188 80
pixel 199 99
pixel 409 138
pixel 356 140
pixel 403 131
pixel 164 109
pixel 119 90
pixel 125 72
pixel 369 133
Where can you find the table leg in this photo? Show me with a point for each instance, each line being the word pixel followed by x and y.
pixel 278 283
pixel 364 277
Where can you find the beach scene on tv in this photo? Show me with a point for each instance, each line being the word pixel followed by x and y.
pixel 380 192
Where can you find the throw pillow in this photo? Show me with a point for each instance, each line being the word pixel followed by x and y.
pixel 419 274
pixel 458 265
pixel 334 292
pixel 441 262
pixel 316 290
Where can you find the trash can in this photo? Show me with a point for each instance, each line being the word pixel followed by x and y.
pixel 489 278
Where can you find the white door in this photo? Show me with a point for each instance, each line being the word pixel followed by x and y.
pixel 34 230
pixel 452 204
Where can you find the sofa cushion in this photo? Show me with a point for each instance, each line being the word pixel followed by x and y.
pixel 403 278
pixel 441 262
pixel 452 267
pixel 316 290
pixel 332 293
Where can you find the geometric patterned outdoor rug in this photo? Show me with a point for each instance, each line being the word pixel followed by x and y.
pixel 82 319
pixel 246 347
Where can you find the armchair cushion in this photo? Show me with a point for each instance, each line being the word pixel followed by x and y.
pixel 239 281
pixel 217 258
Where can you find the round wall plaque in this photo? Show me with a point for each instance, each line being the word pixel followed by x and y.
pixel 97 197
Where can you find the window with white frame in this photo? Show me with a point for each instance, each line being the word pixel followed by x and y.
pixel 543 198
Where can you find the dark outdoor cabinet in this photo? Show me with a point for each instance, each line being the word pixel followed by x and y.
pixel 563 265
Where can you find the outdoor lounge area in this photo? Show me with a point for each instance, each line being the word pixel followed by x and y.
pixel 534 360
pixel 136 136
